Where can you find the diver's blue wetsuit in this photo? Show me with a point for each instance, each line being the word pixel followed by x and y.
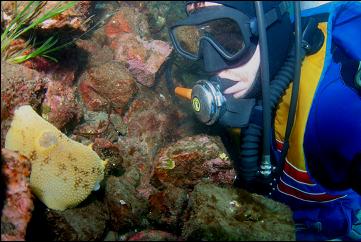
pixel 327 132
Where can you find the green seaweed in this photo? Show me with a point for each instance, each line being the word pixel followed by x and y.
pixel 25 21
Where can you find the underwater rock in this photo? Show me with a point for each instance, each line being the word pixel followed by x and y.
pixel 73 18
pixel 127 20
pixel 15 80
pixel 220 170
pixel 111 236
pixel 59 106
pixel 18 204
pixel 40 63
pixel 227 214
pixel 97 54
pixel 47 82
pixel 144 57
pixel 96 125
pixel 166 208
pixel 109 151
pixel 85 223
pixel 65 70
pixel 5 126
pixel 150 122
pixel 18 79
pixel 192 159
pixel 128 35
pixel 161 15
pixel 153 235
pixel 106 85
pixel 52 86
pixel 126 207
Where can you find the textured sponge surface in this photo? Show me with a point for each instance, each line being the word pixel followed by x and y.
pixel 64 172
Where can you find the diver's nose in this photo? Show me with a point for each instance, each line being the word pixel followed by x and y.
pixel 212 60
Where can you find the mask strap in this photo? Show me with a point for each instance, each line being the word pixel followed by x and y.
pixel 270 17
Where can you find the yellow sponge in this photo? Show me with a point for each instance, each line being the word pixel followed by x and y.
pixel 64 172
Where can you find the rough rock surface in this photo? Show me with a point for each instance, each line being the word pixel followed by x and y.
pixel 48 89
pixel 144 235
pixel 161 15
pixel 127 20
pixel 18 205
pixel 216 213
pixel 143 57
pixel 16 79
pixel 166 208
pixel 107 150
pixel 84 223
pixel 193 159
pixel 126 207
pixel 150 121
pixel 153 235
pixel 96 52
pixel 107 84
pixel 94 125
pixel 128 35
pixel 59 106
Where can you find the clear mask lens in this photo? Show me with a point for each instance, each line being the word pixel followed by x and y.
pixel 224 33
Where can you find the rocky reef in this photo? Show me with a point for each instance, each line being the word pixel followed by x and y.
pixel 216 213
pixel 18 204
pixel 167 177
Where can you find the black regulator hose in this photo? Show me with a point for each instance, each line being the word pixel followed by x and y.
pixel 266 165
pixel 251 136
pixel 247 166
pixel 296 80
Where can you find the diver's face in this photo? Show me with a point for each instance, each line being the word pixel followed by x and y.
pixel 244 74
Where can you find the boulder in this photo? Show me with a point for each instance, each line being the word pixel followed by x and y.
pixel 18 204
pixel 228 214
pixel 193 159
pixel 107 84
pixel 84 223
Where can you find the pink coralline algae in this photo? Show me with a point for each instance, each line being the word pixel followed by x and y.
pixel 144 57
pixel 18 204
pixel 153 235
pixel 60 106
pixel 127 33
pixel 220 170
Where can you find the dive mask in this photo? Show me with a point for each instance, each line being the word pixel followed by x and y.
pixel 227 30
pixel 222 36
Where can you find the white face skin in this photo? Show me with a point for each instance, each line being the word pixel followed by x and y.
pixel 244 74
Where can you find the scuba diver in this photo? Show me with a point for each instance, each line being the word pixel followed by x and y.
pixel 300 128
